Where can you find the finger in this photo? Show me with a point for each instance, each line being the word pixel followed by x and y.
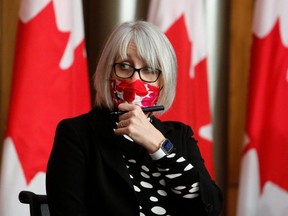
pixel 122 124
pixel 125 106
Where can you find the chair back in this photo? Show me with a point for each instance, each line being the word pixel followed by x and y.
pixel 37 202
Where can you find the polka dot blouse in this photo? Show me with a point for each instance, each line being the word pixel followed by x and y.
pixel 158 182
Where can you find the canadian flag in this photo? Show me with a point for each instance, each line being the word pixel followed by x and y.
pixel 263 187
pixel 50 82
pixel 183 21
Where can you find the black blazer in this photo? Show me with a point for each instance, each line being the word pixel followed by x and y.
pixel 86 174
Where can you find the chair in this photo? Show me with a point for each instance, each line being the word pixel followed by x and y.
pixel 38 203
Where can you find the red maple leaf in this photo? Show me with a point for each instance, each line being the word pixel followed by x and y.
pixel 267 107
pixel 191 104
pixel 42 93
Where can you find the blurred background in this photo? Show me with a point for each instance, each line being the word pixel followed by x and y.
pixel 229 34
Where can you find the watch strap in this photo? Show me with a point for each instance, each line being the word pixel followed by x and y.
pixel 158 154
pixel 161 152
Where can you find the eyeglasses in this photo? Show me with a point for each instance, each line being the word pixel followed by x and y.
pixel 146 74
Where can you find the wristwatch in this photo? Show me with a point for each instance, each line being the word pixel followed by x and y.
pixel 166 147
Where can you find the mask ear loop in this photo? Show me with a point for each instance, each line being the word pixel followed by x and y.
pixel 115 93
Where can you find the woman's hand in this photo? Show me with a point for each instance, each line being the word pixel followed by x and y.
pixel 135 123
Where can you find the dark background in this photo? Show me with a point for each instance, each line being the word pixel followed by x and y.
pixel 100 17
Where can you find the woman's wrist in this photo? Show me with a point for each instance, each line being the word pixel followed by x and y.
pixel 155 144
pixel 165 148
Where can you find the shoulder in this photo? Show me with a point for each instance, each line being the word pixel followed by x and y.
pixel 97 114
pixel 75 121
pixel 83 129
pixel 85 121
pixel 73 127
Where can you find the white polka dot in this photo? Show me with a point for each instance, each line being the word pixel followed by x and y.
pixel 194 189
pixel 162 182
pixel 176 191
pixel 171 155
pixel 153 199
pixel 132 161
pixel 128 138
pixel 146 184
pixel 145 168
pixel 145 175
pixel 137 189
pixel 188 167
pixel 141 214
pixel 157 174
pixel 171 176
pixel 180 187
pixel 190 196
pixel 131 176
pixel 181 159
pixel 195 184
pixel 162 170
pixel 162 192
pixel 158 210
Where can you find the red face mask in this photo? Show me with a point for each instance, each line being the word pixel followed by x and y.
pixel 136 92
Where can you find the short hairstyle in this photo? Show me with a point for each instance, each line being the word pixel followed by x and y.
pixel 152 46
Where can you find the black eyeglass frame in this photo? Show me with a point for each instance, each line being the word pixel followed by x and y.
pixel 135 70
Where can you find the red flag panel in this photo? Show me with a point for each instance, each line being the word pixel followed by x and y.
pixel 184 25
pixel 267 107
pixel 50 82
pixel 191 102
pixel 263 180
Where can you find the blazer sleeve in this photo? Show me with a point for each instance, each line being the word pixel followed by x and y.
pixel 211 195
pixel 65 176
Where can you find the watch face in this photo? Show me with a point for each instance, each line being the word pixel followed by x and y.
pixel 167 146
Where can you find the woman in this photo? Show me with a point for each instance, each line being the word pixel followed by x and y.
pixel 130 163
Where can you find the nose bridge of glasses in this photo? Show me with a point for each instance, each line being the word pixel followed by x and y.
pixel 138 74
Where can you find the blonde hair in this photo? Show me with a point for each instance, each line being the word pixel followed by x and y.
pixel 152 46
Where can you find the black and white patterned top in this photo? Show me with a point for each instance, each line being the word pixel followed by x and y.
pixel 156 181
